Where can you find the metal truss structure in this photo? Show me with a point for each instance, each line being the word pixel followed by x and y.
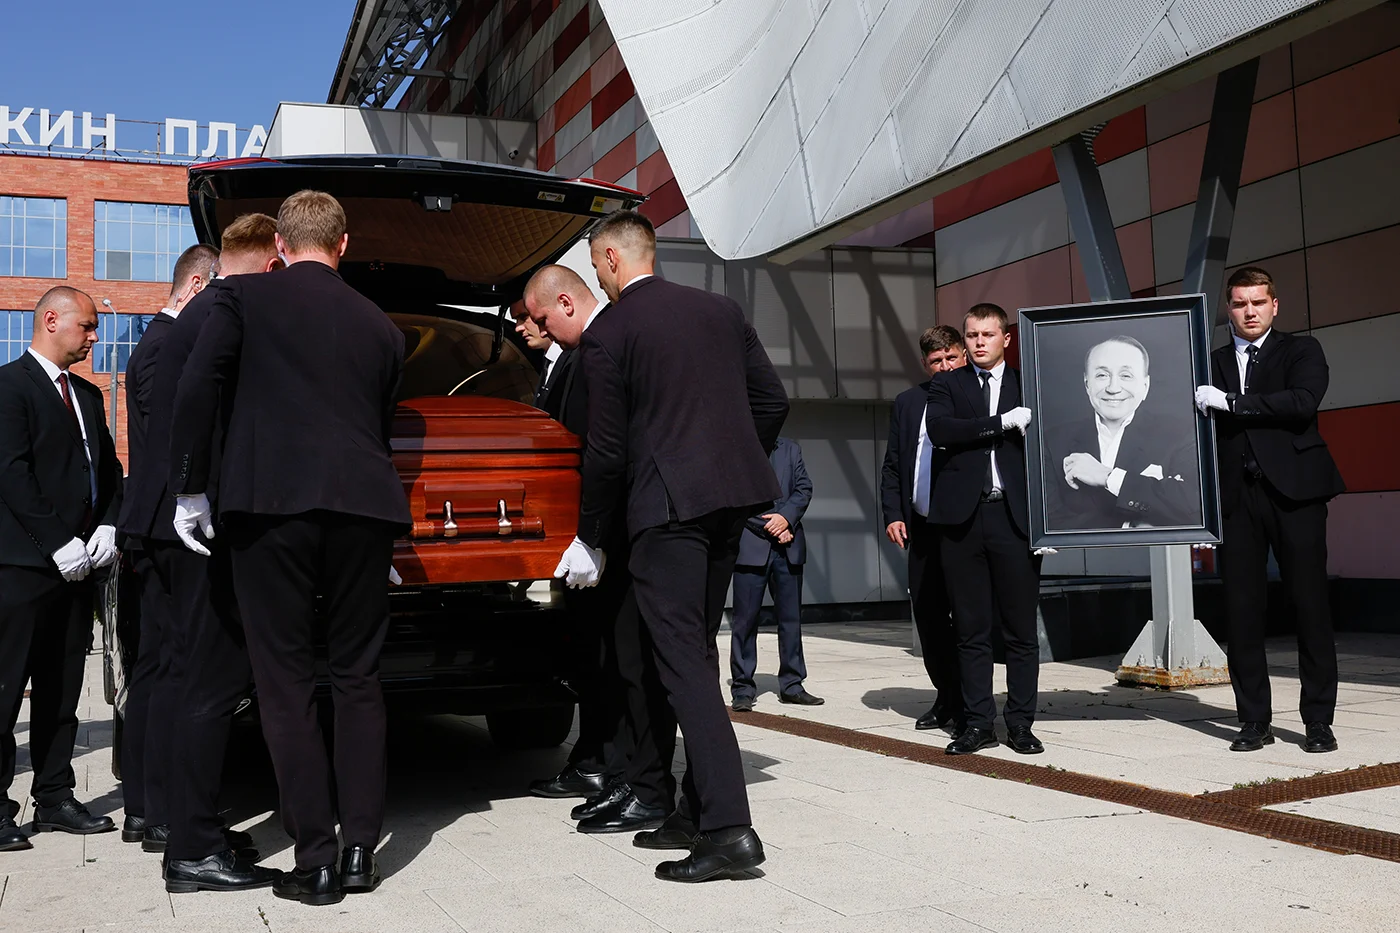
pixel 387 42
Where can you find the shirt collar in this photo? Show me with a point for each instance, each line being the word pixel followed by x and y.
pixel 170 311
pixel 635 279
pixel 996 370
pixel 1104 428
pixel 1241 343
pixel 597 310
pixel 51 369
pixel 554 352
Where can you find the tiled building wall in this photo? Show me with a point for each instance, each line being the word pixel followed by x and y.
pixel 1319 206
pixel 82 182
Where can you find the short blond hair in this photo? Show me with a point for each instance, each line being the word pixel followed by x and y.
pixel 250 233
pixel 311 220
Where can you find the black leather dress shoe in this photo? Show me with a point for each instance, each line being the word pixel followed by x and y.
pixel 936 718
pixel 12 838
pixel 800 697
pixel 1320 738
pixel 359 870
pixel 222 871
pixel 155 837
pixel 676 833
pixel 1023 741
pixel 571 782
pixel 972 740
pixel 238 840
pixel 626 816
pixel 742 705
pixel 315 886
pixel 720 854
pixel 1253 736
pixel 609 796
pixel 133 828
pixel 70 817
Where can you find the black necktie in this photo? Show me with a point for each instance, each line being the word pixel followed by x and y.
pixel 1253 352
pixel 987 484
pixel 546 380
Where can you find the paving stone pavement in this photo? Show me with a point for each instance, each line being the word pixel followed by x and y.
pixel 856 841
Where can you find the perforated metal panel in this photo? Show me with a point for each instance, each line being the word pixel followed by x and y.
pixel 782 117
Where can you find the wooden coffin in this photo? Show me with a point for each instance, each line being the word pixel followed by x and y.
pixel 493 486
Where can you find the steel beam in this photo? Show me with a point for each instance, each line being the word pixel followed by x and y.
pixel 1089 218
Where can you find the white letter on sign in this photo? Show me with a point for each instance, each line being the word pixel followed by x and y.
pixel 108 132
pixel 214 130
pixel 48 132
pixel 17 124
pixel 257 138
pixel 189 126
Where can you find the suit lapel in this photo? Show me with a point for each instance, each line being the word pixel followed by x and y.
pixel 92 417
pixel 971 385
pixel 49 391
pixel 1229 372
pixel 1010 395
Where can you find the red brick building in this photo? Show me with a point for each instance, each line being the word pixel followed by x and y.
pixel 85 188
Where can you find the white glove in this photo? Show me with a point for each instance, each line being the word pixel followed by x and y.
pixel 1208 397
pixel 1016 418
pixel 73 561
pixel 193 512
pixel 1043 551
pixel 102 546
pixel 394 577
pixel 581 565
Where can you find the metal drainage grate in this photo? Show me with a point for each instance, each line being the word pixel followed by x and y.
pixel 1268 793
pixel 1212 809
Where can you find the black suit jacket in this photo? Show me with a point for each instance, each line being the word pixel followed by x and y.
pixel 897 472
pixel 45 478
pixel 140 388
pixel 1161 482
pixel 566 394
pixel 683 408
pixel 959 423
pixel 1276 421
pixel 317 365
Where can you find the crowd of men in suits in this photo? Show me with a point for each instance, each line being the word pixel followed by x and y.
pixel 260 477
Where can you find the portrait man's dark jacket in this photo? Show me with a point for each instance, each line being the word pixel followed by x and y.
pixel 140 391
pixel 1277 421
pixel 897 472
pixel 683 408
pixel 756 545
pixel 45 476
pixel 302 438
pixel 1161 482
pixel 959 422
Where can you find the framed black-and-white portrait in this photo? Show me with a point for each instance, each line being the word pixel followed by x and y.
pixel 1116 452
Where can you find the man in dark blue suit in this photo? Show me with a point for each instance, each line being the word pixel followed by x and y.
pixel 906 482
pixel 771 554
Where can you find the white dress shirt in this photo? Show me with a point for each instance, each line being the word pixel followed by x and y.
pixel 994 385
pixel 1242 351
pixel 594 316
pixel 636 278
pixel 1109 442
pixel 52 371
pixel 923 467
pixel 551 356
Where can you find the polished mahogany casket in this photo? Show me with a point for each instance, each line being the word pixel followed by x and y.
pixel 493 486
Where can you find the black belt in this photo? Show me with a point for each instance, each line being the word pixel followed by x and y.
pixel 996 495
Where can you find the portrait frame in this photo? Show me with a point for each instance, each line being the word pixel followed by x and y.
pixel 1045 333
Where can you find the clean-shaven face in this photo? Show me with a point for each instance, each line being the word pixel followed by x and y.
pixel 1252 311
pixel 1115 377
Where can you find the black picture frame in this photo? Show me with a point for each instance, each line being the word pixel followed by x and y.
pixel 1054 342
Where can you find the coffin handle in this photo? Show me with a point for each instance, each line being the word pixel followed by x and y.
pixel 502 523
pixel 449 524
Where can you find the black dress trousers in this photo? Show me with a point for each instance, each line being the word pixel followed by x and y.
pixel 210 675
pixel 280 565
pixel 604 742
pixel 933 616
pixel 682 572
pixel 784 581
pixel 45 633
pixel 146 720
pixel 1297 532
pixel 993 579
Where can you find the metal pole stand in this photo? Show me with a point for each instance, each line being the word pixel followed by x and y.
pixel 1174 650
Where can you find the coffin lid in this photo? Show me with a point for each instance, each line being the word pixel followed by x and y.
pixel 442 424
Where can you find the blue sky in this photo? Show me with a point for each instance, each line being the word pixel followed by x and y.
pixel 230 61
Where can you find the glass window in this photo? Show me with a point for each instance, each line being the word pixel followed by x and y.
pixel 34 237
pixel 16 330
pixel 139 242
pixel 122 331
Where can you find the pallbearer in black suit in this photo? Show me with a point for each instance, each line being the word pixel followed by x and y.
pixel 204 671
pixel 1276 476
pixel 975 414
pixel 906 484
pixel 311 504
pixel 60 494
pixel 147 725
pixel 683 408
pixel 561 308
pixel 553 353
pixel 771 555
